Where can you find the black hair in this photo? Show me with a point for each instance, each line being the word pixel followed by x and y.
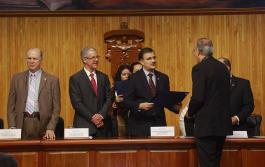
pixel 144 51
pixel 122 67
pixel 134 64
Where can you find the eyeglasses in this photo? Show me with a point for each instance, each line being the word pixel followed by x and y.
pixel 32 58
pixel 92 58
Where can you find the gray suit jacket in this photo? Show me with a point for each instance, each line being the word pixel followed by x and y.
pixel 86 103
pixel 49 100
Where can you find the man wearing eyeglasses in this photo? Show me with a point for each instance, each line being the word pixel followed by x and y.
pixel 34 100
pixel 90 95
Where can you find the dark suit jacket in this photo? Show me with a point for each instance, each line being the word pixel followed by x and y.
pixel 210 101
pixel 86 103
pixel 140 121
pixel 49 100
pixel 241 100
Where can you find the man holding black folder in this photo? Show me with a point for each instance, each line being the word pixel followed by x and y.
pixel 210 104
pixel 144 86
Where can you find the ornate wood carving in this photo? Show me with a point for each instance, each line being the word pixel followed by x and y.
pixel 123 46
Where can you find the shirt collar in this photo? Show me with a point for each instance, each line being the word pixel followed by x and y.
pixel 37 73
pixel 148 72
pixel 88 72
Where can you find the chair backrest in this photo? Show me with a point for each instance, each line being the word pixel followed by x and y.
pixel 7 160
pixel 59 130
pixel 1 123
pixel 254 122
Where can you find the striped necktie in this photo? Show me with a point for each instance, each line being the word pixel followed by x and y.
pixel 32 100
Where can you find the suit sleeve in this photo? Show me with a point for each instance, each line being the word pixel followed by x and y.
pixel 248 103
pixel 130 96
pixel 11 114
pixel 56 102
pixel 198 89
pixel 106 106
pixel 167 88
pixel 76 100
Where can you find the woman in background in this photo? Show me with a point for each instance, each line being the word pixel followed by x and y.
pixel 136 66
pixel 119 113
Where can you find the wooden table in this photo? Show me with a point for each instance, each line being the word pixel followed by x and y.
pixel 166 152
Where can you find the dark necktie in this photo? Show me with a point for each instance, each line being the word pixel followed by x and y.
pixel 151 84
pixel 94 84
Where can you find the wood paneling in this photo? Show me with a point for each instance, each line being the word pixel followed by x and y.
pixel 67 159
pixel 239 37
pixel 126 158
pixel 26 159
pixel 169 158
pixel 164 152
pixel 231 162
pixel 255 158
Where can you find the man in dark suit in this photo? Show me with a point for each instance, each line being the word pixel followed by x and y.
pixel 34 100
pixel 210 104
pixel 144 85
pixel 90 95
pixel 241 99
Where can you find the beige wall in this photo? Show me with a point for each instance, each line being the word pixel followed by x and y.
pixel 239 37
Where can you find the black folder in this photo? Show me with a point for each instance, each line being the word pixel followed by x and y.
pixel 121 87
pixel 170 98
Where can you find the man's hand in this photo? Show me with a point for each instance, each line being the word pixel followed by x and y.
pixel 114 105
pixel 119 98
pixel 97 119
pixel 49 135
pixel 146 106
pixel 235 120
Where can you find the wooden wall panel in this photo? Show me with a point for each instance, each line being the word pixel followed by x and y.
pixel 26 159
pixel 126 158
pixel 239 37
pixel 169 158
pixel 67 159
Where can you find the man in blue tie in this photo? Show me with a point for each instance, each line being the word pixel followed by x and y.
pixel 34 100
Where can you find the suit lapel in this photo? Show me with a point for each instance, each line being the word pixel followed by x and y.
pixel 43 81
pixel 25 82
pixel 146 84
pixel 158 82
pixel 233 83
pixel 99 84
pixel 87 81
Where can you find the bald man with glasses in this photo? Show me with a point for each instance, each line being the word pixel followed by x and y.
pixel 34 100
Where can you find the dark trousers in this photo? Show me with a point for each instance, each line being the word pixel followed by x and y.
pixel 210 150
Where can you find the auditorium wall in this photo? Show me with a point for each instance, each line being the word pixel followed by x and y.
pixel 240 37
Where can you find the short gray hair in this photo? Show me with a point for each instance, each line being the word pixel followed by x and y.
pixel 85 51
pixel 205 46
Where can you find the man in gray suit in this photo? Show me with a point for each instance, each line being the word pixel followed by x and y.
pixel 34 100
pixel 90 95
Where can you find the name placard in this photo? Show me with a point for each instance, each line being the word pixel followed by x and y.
pixel 163 131
pixel 76 133
pixel 10 134
pixel 239 134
